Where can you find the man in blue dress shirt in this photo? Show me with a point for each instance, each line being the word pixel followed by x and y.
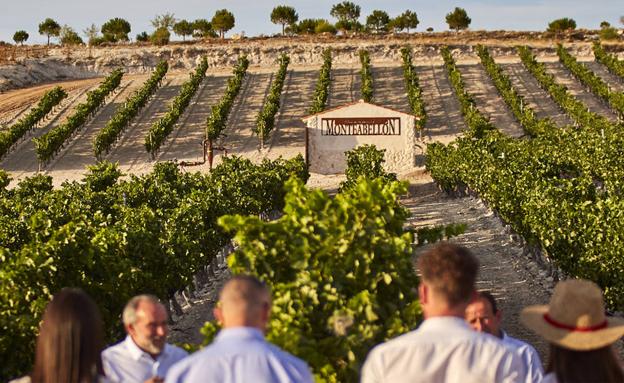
pixel 240 353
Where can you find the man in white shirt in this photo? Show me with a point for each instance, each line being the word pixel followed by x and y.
pixel 144 356
pixel 483 315
pixel 240 353
pixel 444 348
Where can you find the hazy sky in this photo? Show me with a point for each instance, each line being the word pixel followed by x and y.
pixel 252 16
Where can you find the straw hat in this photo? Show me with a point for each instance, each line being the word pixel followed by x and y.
pixel 575 318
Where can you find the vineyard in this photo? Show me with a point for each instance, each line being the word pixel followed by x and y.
pixel 537 138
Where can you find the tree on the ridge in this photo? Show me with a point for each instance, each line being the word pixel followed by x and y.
pixel 92 34
pixel 458 19
pixel 408 20
pixel 160 36
pixel 284 15
pixel 202 28
pixel 68 36
pixel 20 36
pixel 560 25
pixel 223 21
pixel 166 20
pixel 347 14
pixel 115 30
pixel 142 37
pixel 622 20
pixel 605 24
pixel 49 28
pixel 378 21
pixel 183 28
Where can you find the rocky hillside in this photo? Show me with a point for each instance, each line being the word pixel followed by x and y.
pixel 81 62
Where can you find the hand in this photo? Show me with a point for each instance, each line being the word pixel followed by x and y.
pixel 155 379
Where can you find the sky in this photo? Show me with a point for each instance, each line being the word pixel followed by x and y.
pixel 252 16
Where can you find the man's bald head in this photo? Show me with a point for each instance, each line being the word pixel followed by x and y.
pixel 244 301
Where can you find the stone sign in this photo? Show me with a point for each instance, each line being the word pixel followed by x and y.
pixel 331 133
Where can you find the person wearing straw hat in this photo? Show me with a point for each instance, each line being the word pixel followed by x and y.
pixel 444 348
pixel 580 334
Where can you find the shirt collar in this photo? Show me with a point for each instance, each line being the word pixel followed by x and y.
pixel 240 333
pixel 444 322
pixel 136 353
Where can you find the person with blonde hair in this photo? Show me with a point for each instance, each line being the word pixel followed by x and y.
pixel 580 334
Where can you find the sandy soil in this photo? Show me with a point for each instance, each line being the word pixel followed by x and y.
pixel 593 102
pixel 616 82
pixel 537 98
pixel 488 101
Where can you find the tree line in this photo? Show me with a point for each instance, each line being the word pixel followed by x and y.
pixel 346 13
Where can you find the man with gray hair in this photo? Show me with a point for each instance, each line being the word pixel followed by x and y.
pixel 144 356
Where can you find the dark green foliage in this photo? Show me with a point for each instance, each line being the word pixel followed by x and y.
pixel 321 92
pixel 49 28
pixel 115 30
pixel 183 28
pixel 265 121
pixel 143 37
pixel 50 143
pixel 365 161
pixel 561 25
pixel 20 37
pixel 217 120
pixel 378 21
pixel 284 15
pixel 159 131
pixel 160 37
pixel 458 19
pixel 414 92
pixel 223 21
pixel 116 239
pixel 367 77
pixel 109 134
pixel 8 137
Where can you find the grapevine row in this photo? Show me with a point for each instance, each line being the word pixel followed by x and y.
pixel 12 134
pixel 591 80
pixel 474 119
pixel 217 120
pixel 116 125
pixel 321 92
pixel 265 121
pixel 414 92
pixel 559 93
pixel 116 238
pixel 524 114
pixel 164 126
pixel 562 192
pixel 610 61
pixel 50 143
pixel 367 77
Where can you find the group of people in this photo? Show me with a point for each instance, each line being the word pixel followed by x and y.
pixel 460 339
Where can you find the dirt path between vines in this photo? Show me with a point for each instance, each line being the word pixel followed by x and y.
pixel 564 77
pixel 513 279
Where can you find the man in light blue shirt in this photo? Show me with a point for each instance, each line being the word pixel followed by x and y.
pixel 240 353
pixel 484 316
pixel 144 356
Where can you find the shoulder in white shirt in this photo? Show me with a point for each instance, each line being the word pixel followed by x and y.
pixel 443 349
pixel 240 355
pixel 529 355
pixel 126 362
